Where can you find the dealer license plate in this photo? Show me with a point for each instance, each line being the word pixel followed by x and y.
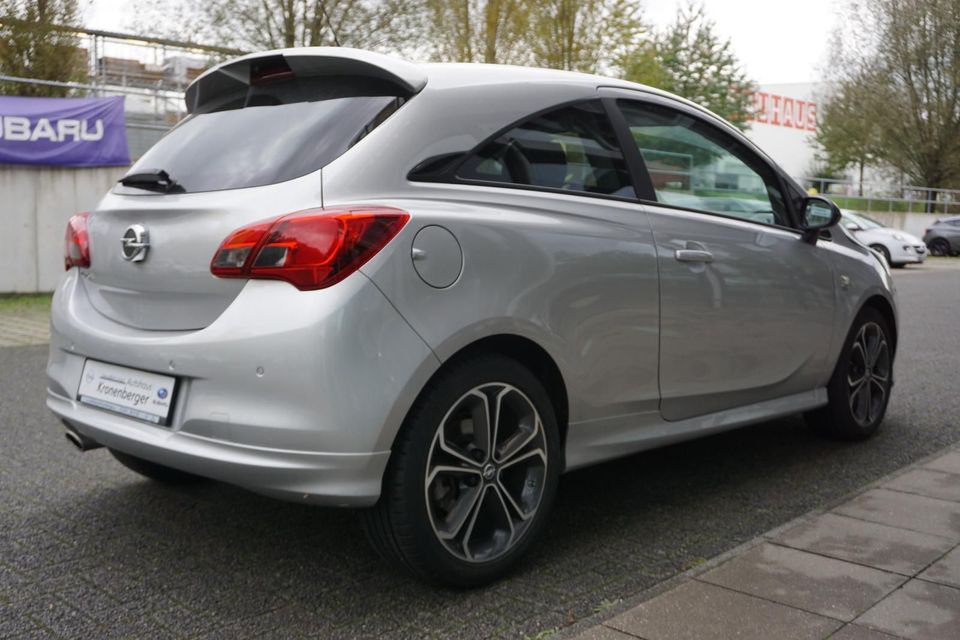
pixel 138 394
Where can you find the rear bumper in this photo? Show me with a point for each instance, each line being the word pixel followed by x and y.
pixel 324 478
pixel 296 395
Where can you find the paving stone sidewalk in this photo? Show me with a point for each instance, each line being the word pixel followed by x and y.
pixel 23 327
pixel 882 565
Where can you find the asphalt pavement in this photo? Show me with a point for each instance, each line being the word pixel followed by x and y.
pixel 88 549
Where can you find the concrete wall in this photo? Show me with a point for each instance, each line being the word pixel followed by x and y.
pixel 35 204
pixel 915 223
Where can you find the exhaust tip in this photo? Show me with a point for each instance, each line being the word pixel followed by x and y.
pixel 73 439
pixel 79 440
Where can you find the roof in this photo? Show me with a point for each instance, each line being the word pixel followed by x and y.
pixel 478 73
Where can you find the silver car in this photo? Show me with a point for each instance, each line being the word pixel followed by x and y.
pixel 429 290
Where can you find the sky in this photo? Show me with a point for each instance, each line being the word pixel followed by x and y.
pixel 778 41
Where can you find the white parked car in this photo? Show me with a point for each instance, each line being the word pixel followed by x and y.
pixel 898 247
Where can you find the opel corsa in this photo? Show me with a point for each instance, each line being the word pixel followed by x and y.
pixel 429 290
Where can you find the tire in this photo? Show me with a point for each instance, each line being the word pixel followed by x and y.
pixel 882 250
pixel 856 409
pixel 154 471
pixel 939 247
pixel 450 512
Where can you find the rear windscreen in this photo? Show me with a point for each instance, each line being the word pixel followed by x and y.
pixel 269 133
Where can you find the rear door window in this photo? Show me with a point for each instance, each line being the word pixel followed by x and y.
pixel 572 148
pixel 270 133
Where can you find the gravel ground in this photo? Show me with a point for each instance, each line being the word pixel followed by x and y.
pixel 88 549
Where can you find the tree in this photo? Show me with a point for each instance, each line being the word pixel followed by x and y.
pixel 642 64
pixel 902 65
pixel 32 47
pixel 584 35
pixel 845 136
pixel 276 24
pixel 490 31
pixel 691 60
pixel 581 35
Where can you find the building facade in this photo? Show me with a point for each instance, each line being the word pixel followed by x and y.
pixel 783 123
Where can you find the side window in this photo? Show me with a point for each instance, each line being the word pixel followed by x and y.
pixel 572 148
pixel 693 164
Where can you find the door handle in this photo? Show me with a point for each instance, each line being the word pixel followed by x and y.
pixel 693 255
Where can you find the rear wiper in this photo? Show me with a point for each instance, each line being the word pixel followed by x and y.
pixel 152 180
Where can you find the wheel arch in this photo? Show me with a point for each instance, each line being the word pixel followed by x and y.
pixel 528 353
pixel 885 308
pixel 878 302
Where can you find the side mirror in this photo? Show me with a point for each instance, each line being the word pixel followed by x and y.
pixel 816 215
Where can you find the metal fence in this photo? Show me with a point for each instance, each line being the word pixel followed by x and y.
pixel 151 73
pixel 881 197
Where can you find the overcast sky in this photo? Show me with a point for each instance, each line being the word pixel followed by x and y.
pixel 777 40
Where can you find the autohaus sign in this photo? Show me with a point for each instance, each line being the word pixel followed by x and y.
pixel 71 132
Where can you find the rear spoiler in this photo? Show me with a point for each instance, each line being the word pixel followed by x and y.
pixel 235 75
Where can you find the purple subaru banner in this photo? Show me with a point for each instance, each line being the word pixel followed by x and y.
pixel 66 132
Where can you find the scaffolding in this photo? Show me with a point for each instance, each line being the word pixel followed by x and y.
pixel 150 73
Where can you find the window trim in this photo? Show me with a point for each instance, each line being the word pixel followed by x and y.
pixel 448 174
pixel 639 174
pixel 614 97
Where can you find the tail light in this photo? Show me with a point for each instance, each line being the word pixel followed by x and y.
pixel 76 246
pixel 310 249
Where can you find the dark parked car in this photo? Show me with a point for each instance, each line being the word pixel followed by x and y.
pixel 943 238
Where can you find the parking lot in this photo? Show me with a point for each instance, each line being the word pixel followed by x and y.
pixel 88 549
